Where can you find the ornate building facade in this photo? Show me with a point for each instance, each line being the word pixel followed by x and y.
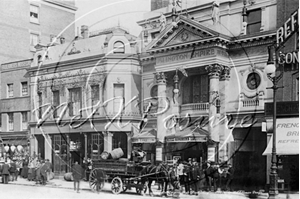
pixel 209 91
pixel 84 97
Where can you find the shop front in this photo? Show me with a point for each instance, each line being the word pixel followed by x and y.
pixel 287 151
pixel 188 143
pixel 13 147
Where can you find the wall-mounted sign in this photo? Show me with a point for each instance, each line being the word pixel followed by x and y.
pixel 143 140
pixel 198 53
pixel 290 26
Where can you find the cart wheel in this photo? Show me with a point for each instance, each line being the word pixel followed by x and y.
pixel 116 185
pixel 96 180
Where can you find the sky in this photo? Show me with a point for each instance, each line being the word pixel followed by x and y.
pixel 102 14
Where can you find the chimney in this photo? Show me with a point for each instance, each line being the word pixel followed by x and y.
pixel 84 31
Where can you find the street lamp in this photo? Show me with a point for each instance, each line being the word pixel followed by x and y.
pixel 270 71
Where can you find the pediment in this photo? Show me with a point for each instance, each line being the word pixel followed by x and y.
pixel 183 31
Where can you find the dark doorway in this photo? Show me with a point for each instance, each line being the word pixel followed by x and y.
pixel 120 140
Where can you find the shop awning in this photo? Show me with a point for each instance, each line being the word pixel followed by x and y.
pixel 145 137
pixel 190 134
pixel 287 137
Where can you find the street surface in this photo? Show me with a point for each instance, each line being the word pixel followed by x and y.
pixel 11 191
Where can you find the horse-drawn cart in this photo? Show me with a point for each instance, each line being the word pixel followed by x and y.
pixel 122 175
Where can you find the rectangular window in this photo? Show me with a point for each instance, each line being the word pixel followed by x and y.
pixel 97 146
pixel 254 21
pixel 24 88
pixel 55 103
pixel 74 101
pixel 0 122
pixel 10 121
pixel 24 120
pixel 40 99
pixel 34 39
pixel 95 97
pixel 34 13
pixel 10 90
pixel 118 96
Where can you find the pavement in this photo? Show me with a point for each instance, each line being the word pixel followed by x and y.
pixel 63 184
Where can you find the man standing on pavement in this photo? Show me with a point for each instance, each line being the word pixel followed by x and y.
pixel 195 176
pixel 49 168
pixel 5 172
pixel 77 175
pixel 43 171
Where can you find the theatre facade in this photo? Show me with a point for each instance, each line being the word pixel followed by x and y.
pixel 207 88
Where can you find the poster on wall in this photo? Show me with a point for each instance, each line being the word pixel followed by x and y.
pixel 159 154
pixel 211 154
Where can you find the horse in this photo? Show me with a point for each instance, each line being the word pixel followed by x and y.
pixel 160 173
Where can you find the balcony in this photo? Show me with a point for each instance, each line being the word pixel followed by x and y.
pixel 250 104
pixel 194 109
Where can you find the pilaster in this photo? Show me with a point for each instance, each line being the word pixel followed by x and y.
pixel 214 72
pixel 224 131
pixel 162 103
pixel 48 147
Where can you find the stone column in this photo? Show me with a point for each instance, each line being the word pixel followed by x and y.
pixel 224 131
pixel 129 145
pixel 48 147
pixel 161 130
pixel 213 127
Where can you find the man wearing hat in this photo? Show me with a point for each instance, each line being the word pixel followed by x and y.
pixel 195 176
pixel 5 172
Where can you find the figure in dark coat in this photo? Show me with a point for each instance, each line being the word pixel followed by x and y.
pixel 13 170
pixel 5 173
pixel 195 176
pixel 77 175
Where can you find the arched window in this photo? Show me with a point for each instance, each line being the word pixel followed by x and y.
pixel 195 89
pixel 119 47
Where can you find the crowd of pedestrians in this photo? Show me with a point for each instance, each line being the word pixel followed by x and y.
pixel 30 168
pixel 194 177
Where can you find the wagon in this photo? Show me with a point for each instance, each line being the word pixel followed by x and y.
pixel 122 175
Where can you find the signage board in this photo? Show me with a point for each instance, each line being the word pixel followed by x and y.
pixel 290 108
pixel 290 26
pixel 287 137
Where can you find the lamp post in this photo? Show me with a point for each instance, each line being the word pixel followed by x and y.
pixel 270 70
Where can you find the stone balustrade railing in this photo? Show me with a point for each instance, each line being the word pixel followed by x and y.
pixel 195 107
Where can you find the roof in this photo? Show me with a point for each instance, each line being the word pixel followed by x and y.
pixel 185 31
